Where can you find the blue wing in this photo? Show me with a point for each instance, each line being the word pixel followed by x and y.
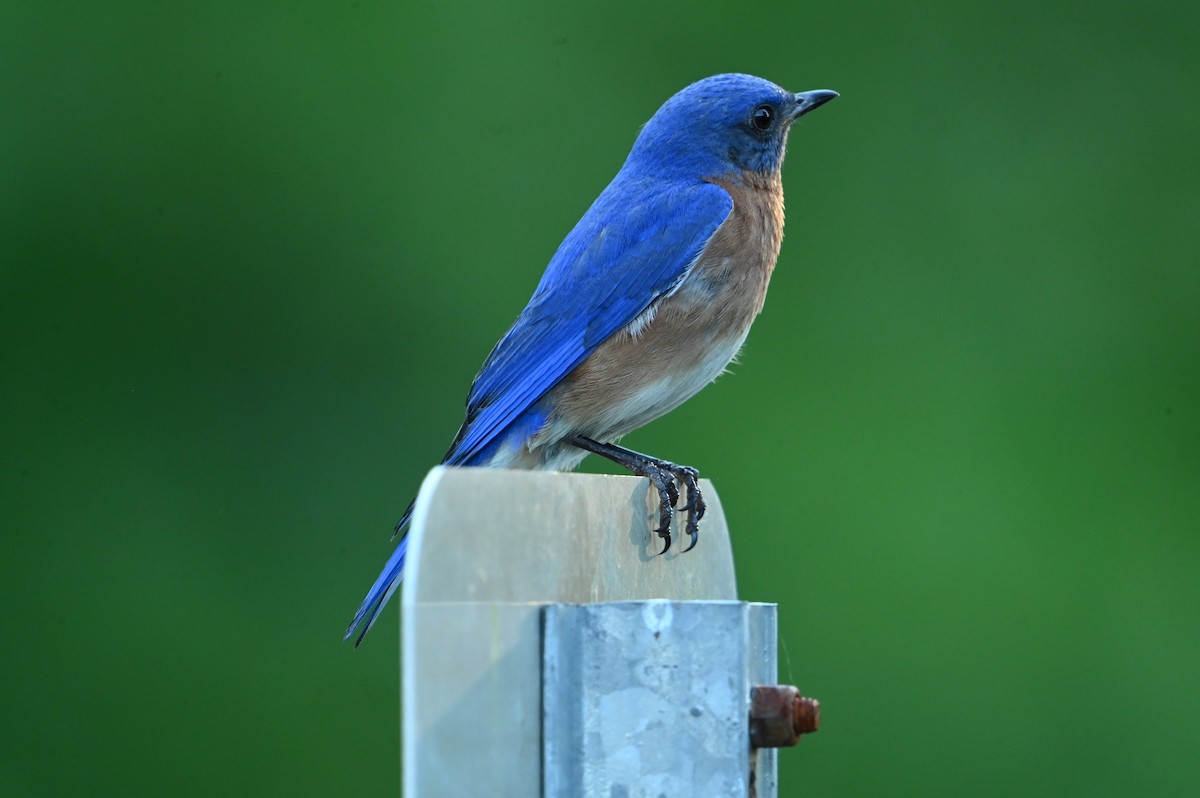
pixel 634 246
pixel 630 249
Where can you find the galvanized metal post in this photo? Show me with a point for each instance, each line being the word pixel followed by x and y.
pixel 653 698
pixel 490 646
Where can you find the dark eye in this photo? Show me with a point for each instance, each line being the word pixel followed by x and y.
pixel 762 117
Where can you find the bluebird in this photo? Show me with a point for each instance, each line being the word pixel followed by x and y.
pixel 646 301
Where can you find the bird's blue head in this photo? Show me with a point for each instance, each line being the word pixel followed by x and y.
pixel 722 126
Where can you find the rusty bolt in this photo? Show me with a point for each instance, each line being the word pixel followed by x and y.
pixel 779 715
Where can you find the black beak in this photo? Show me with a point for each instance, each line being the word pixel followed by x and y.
pixel 807 101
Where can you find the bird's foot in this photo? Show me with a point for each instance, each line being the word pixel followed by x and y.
pixel 663 475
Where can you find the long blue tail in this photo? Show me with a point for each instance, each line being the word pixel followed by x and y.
pixel 525 426
pixel 384 587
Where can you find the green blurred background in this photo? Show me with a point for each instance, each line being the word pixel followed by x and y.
pixel 252 255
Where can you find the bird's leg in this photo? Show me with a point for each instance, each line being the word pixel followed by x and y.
pixel 663 474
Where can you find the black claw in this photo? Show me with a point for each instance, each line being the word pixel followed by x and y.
pixel 695 533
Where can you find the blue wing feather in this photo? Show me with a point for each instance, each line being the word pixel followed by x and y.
pixel 628 251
